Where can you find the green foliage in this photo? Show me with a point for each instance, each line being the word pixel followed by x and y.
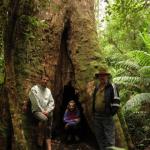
pixel 145 71
pixel 138 125
pixel 142 57
pixel 32 24
pixel 146 38
pixel 125 21
pixel 132 81
pixel 137 77
pixel 137 101
pixel 128 65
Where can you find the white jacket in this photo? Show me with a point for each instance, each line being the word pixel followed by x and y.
pixel 41 99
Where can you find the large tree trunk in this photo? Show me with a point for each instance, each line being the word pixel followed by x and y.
pixel 57 37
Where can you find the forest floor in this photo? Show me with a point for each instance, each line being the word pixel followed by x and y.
pixel 86 142
pixel 76 146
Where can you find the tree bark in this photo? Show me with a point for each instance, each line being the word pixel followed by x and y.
pixel 57 37
pixel 125 131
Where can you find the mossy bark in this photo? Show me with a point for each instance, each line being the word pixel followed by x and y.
pixel 57 37
pixel 125 131
pixel 120 137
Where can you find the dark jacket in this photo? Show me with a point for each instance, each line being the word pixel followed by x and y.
pixel 111 97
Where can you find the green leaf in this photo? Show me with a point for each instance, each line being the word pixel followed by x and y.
pixel 128 64
pixel 145 71
pixel 143 58
pixel 137 100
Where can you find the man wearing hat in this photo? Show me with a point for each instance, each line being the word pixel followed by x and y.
pixel 105 105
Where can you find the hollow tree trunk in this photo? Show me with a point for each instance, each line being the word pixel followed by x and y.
pixel 57 37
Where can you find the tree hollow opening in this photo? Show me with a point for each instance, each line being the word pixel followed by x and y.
pixel 65 89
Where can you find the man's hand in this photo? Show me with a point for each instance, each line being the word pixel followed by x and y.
pixel 45 113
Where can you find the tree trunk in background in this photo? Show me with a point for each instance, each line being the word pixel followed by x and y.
pixel 57 37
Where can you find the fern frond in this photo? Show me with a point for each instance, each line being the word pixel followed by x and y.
pixel 120 72
pixel 145 71
pixel 126 80
pixel 146 38
pixel 142 58
pixel 132 81
pixel 128 65
pixel 136 101
pixel 145 80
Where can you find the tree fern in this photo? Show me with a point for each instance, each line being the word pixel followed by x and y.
pixel 142 58
pixel 128 64
pixel 146 38
pixel 136 101
pixel 133 81
pixel 141 83
pixel 145 71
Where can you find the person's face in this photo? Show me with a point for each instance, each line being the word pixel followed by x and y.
pixel 103 78
pixel 44 81
pixel 71 106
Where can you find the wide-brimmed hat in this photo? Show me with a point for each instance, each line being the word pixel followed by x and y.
pixel 102 72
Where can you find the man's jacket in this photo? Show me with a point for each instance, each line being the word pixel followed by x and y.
pixel 111 98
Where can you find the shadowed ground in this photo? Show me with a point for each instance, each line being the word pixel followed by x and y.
pixel 79 146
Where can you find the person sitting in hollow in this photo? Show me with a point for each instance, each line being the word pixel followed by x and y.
pixel 72 121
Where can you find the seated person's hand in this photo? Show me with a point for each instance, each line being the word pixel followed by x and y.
pixel 66 126
pixel 77 120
